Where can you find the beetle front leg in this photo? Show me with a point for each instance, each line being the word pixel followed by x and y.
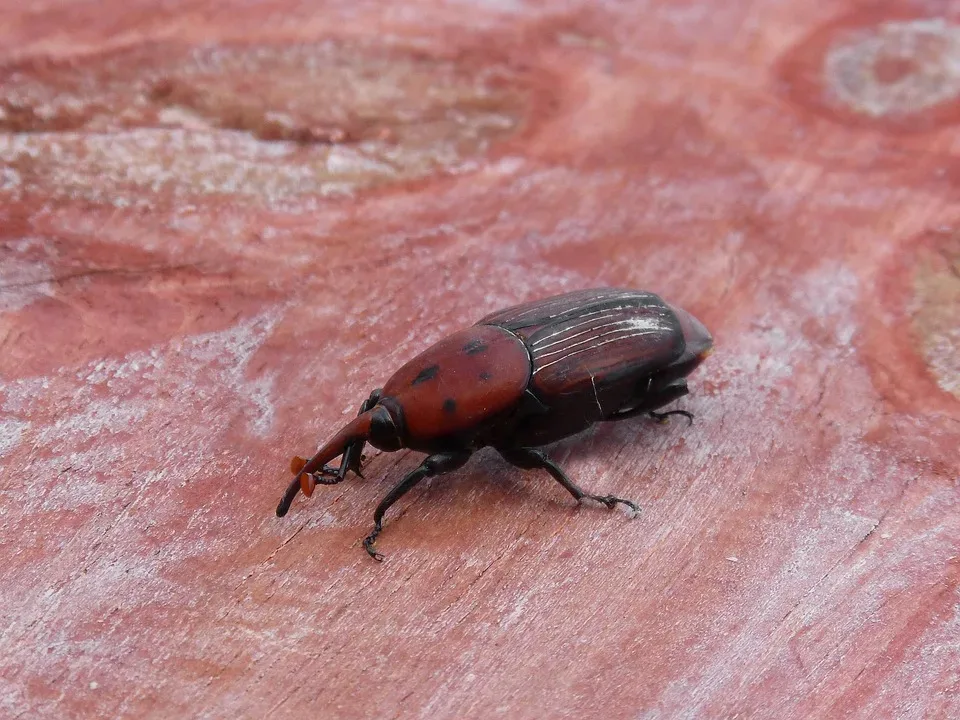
pixel 433 465
pixel 327 475
pixel 354 452
pixel 351 454
pixel 529 459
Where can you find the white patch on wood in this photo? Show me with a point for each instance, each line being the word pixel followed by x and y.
pixel 181 394
pixel 11 431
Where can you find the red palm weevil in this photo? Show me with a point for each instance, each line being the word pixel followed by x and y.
pixel 519 379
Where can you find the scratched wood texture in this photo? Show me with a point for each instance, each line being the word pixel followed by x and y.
pixel 223 224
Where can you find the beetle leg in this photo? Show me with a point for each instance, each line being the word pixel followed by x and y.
pixel 352 455
pixel 662 417
pixel 529 459
pixel 433 465
pixel 652 401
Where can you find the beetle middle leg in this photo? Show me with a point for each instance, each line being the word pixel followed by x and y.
pixel 530 459
pixel 433 465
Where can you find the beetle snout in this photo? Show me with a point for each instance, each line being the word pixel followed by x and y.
pixel 698 339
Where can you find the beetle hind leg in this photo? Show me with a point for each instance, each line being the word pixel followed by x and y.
pixel 529 459
pixel 650 401
pixel 662 417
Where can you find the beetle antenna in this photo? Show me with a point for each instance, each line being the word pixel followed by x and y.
pixel 356 430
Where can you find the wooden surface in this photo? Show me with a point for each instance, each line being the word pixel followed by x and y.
pixel 222 225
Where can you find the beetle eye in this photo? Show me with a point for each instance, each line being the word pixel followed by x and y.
pixel 383 430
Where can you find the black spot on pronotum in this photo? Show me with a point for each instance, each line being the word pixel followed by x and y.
pixel 485 375
pixel 450 406
pixel 475 347
pixel 428 373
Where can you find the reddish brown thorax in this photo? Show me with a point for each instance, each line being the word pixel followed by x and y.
pixel 464 379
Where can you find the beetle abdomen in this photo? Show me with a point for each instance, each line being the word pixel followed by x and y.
pixel 594 341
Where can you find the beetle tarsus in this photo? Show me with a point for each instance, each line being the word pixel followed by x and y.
pixel 530 459
pixel 663 417
pixel 328 477
pixel 370 540
pixel 650 400
pixel 611 501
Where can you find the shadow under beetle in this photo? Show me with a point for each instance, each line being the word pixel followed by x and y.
pixel 520 378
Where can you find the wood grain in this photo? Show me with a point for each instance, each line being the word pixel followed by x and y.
pixel 222 224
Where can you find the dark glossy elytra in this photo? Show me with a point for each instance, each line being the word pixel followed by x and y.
pixel 519 379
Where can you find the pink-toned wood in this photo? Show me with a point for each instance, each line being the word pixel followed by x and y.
pixel 223 223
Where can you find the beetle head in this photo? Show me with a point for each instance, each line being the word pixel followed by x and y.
pixel 385 424
pixel 381 426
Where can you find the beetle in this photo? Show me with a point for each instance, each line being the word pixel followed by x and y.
pixel 519 379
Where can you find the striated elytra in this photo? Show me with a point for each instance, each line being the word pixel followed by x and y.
pixel 519 379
